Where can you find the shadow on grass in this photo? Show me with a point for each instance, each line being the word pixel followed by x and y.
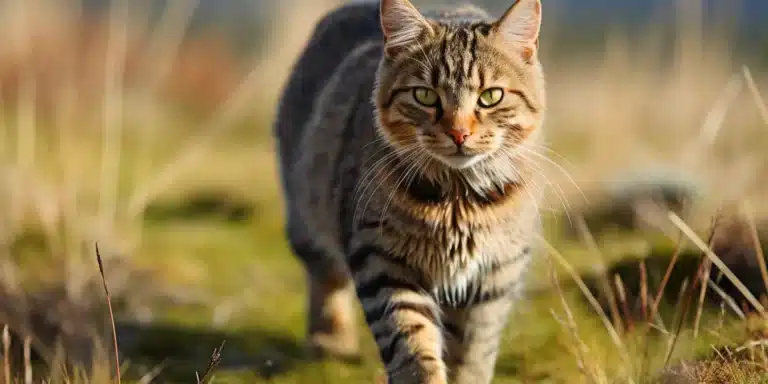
pixel 204 204
pixel 180 352
pixel 732 242
pixel 514 365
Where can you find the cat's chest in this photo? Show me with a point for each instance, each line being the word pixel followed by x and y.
pixel 465 273
pixel 459 254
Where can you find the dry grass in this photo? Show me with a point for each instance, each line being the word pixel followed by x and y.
pixel 64 157
pixel 133 114
pixel 207 375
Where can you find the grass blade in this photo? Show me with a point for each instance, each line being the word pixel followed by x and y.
pixel 111 313
pixel 677 221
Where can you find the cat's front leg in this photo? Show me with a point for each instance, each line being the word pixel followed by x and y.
pixel 474 330
pixel 404 320
pixel 473 340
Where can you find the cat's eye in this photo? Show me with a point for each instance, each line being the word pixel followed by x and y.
pixel 490 97
pixel 425 96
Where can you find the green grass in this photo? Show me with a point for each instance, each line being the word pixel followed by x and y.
pixel 252 287
pixel 250 261
pixel 195 253
pixel 254 295
pixel 265 333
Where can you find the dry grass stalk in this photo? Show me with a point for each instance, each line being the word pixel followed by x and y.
pixel 570 323
pixel 757 244
pixel 702 294
pixel 207 376
pixel 756 94
pixel 622 292
pixel 644 364
pixel 615 338
pixel 683 287
pixel 150 376
pixel 643 290
pixel 7 354
pixel 727 300
pixel 605 285
pixel 111 314
pixel 667 274
pixel 672 341
pixel 27 360
pixel 717 261
pixel 687 296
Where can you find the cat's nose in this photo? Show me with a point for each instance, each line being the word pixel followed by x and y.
pixel 459 136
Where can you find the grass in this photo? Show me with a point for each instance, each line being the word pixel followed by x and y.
pixel 179 188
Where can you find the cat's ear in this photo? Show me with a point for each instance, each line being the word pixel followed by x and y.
pixel 401 24
pixel 518 29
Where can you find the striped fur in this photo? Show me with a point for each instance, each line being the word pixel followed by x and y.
pixel 432 237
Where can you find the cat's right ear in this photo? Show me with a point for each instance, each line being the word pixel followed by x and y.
pixel 402 24
pixel 518 30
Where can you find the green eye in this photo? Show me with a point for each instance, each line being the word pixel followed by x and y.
pixel 426 96
pixel 490 97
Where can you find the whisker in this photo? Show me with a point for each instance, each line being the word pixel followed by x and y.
pixel 381 139
pixel 529 184
pixel 559 193
pixel 405 161
pixel 540 171
pixel 558 167
pixel 552 151
pixel 407 141
pixel 411 168
pixel 394 152
pixel 379 167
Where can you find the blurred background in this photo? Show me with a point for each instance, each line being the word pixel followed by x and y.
pixel 145 126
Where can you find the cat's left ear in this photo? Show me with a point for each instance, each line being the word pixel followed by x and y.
pixel 518 29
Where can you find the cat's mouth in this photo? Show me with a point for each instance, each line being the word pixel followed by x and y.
pixel 460 160
pixel 457 157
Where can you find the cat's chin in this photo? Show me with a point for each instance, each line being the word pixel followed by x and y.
pixel 459 161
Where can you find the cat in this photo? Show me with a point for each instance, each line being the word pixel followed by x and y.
pixel 405 141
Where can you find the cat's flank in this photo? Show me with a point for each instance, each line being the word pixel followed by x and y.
pixel 404 144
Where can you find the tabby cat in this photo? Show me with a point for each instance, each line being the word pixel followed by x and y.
pixel 404 143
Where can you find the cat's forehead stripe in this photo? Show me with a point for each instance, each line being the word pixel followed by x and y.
pixel 458 53
pixel 472 52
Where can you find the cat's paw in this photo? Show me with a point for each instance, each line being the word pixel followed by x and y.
pixel 333 346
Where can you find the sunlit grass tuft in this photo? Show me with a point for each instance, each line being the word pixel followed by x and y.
pixel 118 143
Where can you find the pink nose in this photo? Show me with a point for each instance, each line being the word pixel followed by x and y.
pixel 458 136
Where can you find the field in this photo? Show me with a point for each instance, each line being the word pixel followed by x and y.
pixel 155 143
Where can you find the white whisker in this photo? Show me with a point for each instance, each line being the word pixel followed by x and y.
pixel 528 184
pixel 558 167
pixel 404 162
pixel 386 158
pixel 559 193
pixel 410 172
pixel 375 172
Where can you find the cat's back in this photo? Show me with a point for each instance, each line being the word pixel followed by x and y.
pixel 335 36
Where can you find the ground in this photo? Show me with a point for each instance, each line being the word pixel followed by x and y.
pixel 173 174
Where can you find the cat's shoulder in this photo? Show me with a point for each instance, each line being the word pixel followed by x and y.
pixel 355 20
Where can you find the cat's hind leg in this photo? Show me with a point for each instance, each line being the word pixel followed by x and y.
pixel 331 308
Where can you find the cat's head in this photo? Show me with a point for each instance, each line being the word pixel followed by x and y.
pixel 462 89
